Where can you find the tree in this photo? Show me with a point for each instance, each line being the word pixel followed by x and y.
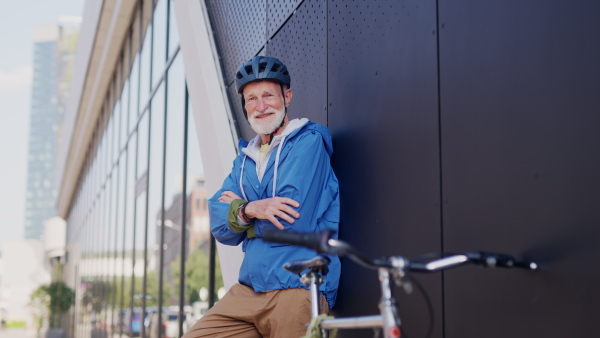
pixel 151 291
pixel 57 298
pixel 196 274
pixel 97 294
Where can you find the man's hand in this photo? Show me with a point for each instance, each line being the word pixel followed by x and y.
pixel 228 197
pixel 269 208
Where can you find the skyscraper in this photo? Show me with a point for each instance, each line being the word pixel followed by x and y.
pixel 54 46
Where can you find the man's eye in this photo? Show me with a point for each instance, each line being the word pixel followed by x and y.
pixel 252 99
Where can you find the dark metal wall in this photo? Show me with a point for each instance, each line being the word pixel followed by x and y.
pixel 457 125
pixel 383 113
pixel 520 93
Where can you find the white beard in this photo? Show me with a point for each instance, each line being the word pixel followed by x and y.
pixel 268 126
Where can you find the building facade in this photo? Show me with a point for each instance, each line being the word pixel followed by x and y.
pixel 457 126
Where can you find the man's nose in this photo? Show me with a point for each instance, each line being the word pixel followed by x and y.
pixel 261 105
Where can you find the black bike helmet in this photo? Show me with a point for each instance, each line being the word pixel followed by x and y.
pixel 262 68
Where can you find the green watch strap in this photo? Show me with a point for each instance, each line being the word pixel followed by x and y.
pixel 232 219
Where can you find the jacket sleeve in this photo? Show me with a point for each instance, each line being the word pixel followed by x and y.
pixel 219 211
pixel 305 175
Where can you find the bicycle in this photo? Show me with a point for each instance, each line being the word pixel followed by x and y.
pixel 395 266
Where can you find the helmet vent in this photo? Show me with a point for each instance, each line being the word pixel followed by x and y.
pixel 262 66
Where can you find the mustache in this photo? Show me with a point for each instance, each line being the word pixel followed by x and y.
pixel 269 110
pixel 270 123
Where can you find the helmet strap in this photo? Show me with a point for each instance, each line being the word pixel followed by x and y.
pixel 244 107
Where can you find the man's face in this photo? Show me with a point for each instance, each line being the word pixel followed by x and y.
pixel 264 104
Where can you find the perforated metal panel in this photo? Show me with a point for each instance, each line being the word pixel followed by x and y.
pixel 519 92
pixel 279 11
pixel 383 113
pixel 302 45
pixel 240 31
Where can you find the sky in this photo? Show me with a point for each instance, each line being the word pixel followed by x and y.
pixel 17 22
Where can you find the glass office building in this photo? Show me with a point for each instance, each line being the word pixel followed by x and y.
pixel 133 191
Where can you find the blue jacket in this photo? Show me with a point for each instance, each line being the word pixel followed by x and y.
pixel 300 160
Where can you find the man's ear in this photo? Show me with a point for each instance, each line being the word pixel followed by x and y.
pixel 288 96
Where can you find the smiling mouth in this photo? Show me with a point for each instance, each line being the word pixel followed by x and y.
pixel 261 116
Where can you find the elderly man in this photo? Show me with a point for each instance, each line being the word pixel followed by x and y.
pixel 282 180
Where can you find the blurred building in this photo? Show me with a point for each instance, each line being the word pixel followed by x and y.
pixel 23 271
pixel 197 230
pixel 197 224
pixel 54 49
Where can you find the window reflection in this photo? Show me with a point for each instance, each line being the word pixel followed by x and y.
pixel 197 259
pixel 130 325
pixel 172 226
pixel 145 67
pixel 121 244
pixel 173 32
pixel 124 129
pixel 133 93
pixel 159 53
pixel 155 173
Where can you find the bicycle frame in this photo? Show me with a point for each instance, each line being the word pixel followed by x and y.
pixel 388 319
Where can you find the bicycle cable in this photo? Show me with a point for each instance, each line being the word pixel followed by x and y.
pixel 429 307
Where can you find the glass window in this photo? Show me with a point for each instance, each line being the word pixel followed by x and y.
pixel 109 139
pixel 134 93
pixel 113 249
pixel 124 114
pixel 116 130
pixel 121 265
pixel 135 30
pixel 173 32
pixel 129 238
pixel 199 241
pixel 142 152
pixel 139 299
pixel 174 198
pixel 145 68
pixel 84 267
pixel 104 238
pixel 155 179
pixel 159 54
pixel 101 151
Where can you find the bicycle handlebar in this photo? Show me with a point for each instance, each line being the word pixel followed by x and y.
pixel 323 243
pixel 315 240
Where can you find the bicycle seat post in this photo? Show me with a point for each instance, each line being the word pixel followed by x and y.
pixel 313 279
pixel 387 306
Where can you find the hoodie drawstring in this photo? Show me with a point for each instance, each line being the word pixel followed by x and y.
pixel 274 172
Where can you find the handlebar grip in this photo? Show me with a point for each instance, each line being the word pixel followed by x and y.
pixel 490 259
pixel 314 240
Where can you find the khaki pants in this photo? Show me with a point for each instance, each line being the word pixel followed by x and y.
pixel 244 313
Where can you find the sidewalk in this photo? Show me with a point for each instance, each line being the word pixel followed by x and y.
pixel 18 333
